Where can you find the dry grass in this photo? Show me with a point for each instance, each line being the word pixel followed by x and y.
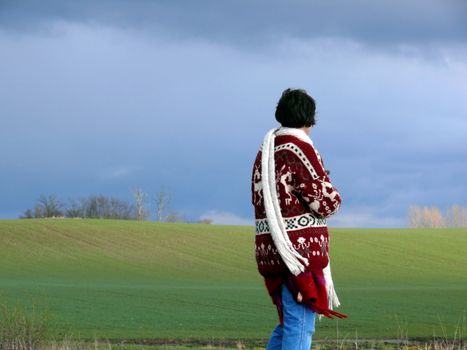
pixel 23 330
pixel 69 344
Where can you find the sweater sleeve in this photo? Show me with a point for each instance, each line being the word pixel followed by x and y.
pixel 314 185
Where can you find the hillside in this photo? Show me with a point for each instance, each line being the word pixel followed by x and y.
pixel 127 279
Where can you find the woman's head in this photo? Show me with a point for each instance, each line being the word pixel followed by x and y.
pixel 296 109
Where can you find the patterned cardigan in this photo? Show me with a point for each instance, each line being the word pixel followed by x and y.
pixel 306 197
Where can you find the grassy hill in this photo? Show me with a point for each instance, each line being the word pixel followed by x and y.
pixel 127 279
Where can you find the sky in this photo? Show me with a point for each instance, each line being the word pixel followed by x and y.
pixel 101 97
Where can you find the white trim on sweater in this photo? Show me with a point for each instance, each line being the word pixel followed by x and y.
pixel 298 133
pixel 292 147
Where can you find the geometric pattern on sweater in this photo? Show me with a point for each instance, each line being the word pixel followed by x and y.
pixel 298 152
pixel 301 180
pixel 310 247
pixel 293 223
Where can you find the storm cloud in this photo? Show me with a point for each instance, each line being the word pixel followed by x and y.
pixel 100 97
pixel 254 22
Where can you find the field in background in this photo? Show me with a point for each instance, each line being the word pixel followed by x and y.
pixel 133 280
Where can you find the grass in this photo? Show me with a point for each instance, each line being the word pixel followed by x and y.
pixel 20 330
pixel 123 280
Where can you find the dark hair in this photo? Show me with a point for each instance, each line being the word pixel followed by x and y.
pixel 296 109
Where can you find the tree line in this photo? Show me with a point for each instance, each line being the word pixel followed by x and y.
pixel 106 207
pixel 455 216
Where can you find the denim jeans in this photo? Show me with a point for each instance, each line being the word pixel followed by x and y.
pixel 298 328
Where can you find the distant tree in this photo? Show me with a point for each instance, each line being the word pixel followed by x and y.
pixel 114 208
pixel 433 217
pixel 91 207
pixel 140 204
pixel 28 214
pixel 173 216
pixel 205 221
pixel 162 206
pixel 456 216
pixel 100 207
pixel 103 207
pixel 75 209
pixel 415 216
pixel 48 206
pixel 38 212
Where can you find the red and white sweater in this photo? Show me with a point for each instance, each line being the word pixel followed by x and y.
pixel 306 197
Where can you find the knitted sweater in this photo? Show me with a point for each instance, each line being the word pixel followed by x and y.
pixel 306 197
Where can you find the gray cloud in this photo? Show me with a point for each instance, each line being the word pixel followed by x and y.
pixel 85 94
pixel 253 23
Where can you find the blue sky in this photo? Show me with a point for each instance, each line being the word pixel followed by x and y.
pixel 99 97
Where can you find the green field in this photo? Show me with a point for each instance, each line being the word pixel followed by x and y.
pixel 133 280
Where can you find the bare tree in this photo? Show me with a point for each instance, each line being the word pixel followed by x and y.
pixel 75 209
pixel 415 216
pixel 162 206
pixel 456 216
pixel 140 203
pixel 174 216
pixel 100 207
pixel 435 218
pixel 38 211
pixel 28 214
pixel 206 221
pixel 48 206
pixel 103 207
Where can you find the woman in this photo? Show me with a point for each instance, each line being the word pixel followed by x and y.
pixel 292 196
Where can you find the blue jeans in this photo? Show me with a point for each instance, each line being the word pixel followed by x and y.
pixel 299 326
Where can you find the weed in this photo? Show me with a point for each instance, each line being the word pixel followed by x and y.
pixel 21 330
